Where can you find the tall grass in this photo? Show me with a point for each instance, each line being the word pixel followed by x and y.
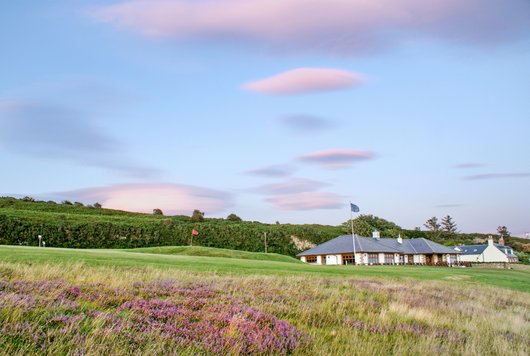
pixel 103 309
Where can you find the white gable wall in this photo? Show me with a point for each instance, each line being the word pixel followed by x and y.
pixel 493 254
pixel 490 254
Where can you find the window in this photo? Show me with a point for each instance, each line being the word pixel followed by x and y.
pixel 373 258
pixel 347 259
pixel 389 258
pixel 311 259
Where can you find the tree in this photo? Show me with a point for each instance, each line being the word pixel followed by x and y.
pixel 503 231
pixel 158 212
pixel 97 205
pixel 233 217
pixel 197 216
pixel 364 225
pixel 433 226
pixel 449 226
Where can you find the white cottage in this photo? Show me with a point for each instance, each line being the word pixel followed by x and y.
pixel 489 252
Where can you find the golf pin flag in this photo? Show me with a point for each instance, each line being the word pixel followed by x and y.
pixel 194 232
pixel 354 208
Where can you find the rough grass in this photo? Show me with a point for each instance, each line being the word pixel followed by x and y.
pixel 80 308
pixel 214 252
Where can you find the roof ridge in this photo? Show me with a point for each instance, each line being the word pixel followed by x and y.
pixel 411 245
pixel 428 243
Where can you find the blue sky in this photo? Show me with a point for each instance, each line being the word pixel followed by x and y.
pixel 276 111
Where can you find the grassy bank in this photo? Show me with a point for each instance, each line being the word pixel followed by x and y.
pixel 214 252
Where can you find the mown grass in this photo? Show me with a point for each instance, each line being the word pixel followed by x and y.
pixel 87 310
pixel 505 278
pixel 214 252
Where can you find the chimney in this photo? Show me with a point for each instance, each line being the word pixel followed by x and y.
pixel 399 239
pixel 375 234
pixel 501 240
pixel 490 241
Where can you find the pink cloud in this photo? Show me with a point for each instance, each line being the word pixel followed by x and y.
pixel 295 185
pixel 272 171
pixel 336 26
pixel 305 80
pixel 307 201
pixel 336 159
pixel 171 198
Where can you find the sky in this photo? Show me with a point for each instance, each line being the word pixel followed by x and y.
pixel 273 110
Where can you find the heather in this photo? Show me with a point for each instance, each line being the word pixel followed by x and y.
pixel 162 316
pixel 76 308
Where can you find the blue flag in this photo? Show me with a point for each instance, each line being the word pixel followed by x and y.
pixel 354 208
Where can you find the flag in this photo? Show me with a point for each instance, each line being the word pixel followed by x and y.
pixel 354 208
pixel 194 232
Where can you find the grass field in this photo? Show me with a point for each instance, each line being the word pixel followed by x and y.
pixel 192 300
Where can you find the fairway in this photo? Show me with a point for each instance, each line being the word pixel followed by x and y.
pixel 506 278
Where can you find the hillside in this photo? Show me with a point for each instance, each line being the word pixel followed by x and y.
pixel 78 226
pixel 75 226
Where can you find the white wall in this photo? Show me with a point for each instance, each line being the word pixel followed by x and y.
pixel 419 258
pixel 333 259
pixel 490 254
pixel 493 254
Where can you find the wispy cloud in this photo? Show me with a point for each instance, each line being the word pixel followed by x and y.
pixel 307 123
pixel 468 165
pixel 277 171
pixel 336 26
pixel 171 198
pixel 307 201
pixel 496 176
pixel 292 186
pixel 337 159
pixel 305 80
pixel 449 206
pixel 58 132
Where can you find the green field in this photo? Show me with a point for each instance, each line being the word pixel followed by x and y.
pixel 197 300
pixel 202 259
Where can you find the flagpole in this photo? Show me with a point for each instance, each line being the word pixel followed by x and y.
pixel 353 236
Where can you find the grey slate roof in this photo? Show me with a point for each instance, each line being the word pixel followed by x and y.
pixel 344 244
pixel 478 249
pixel 472 249
pixel 506 249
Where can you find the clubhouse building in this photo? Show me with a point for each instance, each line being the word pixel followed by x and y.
pixel 380 251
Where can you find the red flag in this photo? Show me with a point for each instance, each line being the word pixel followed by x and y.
pixel 194 232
